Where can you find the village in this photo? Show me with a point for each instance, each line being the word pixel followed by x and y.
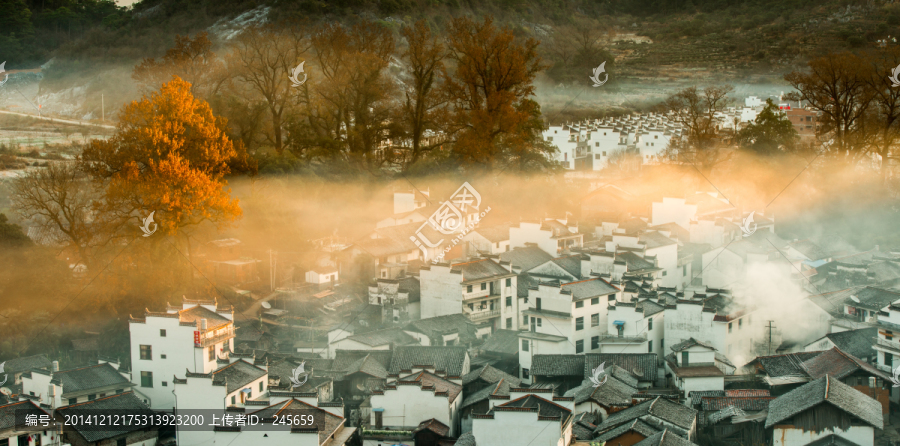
pixel 643 322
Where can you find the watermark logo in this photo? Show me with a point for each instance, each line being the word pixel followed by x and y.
pixel 5 377
pixel 450 219
pixel 597 72
pixel 3 70
pixel 896 376
pixel 295 379
pixel 295 75
pixel 745 225
pixel 894 77
pixel 595 375
pixel 146 227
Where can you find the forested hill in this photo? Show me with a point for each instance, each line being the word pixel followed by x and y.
pixel 750 34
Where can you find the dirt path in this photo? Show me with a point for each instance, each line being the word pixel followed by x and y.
pixel 64 121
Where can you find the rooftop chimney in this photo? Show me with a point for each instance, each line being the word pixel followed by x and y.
pixel 55 366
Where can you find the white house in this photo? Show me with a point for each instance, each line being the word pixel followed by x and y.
pixel 322 275
pixel 553 236
pixel 192 337
pixel 692 365
pixel 818 409
pixel 13 434
pixel 528 417
pixel 484 290
pixel 564 318
pixel 640 322
pixel 414 398
pixel 489 240
pixel 60 388
pixel 690 319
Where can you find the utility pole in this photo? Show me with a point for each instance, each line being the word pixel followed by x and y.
pixel 770 337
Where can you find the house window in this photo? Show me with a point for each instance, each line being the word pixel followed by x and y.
pixel 260 386
pixel 483 286
pixel 120 390
pixel 685 360
pixel 596 144
pixel 664 273
pixel 579 346
pixel 595 320
pixel 165 384
pixel 579 323
pixel 383 274
pixel 579 304
pixel 538 322
pixel 509 323
pixel 604 153
pixel 508 301
pixel 888 359
pixel 524 345
pixel 611 297
pixel 524 373
pixel 73 400
pixel 729 327
pixel 469 289
pixel 162 333
pixel 595 342
pixel 684 270
pixel 146 379
pixel 162 356
pixel 121 442
pixel 211 353
pixel 740 322
pixel 537 303
pixel 525 319
pixel 650 324
pixel 146 352
pixel 233 400
pixel 649 346
pixel 508 281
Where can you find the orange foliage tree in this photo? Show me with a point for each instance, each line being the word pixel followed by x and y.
pixel 170 155
pixel 490 90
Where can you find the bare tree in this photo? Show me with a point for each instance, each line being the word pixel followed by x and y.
pixel 696 110
pixel 264 58
pixel 883 118
pixel 836 86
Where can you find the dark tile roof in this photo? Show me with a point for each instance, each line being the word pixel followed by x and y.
pixel 494 234
pixel 641 365
pixel 119 402
pixel 743 403
pixel 613 393
pixel 435 382
pixel 839 365
pixel 558 365
pixel 655 239
pixel 501 388
pixel 526 258
pixel 439 325
pixel 824 389
pixel 343 359
pixel 661 408
pixel 634 262
pixel 324 421
pixel 368 365
pixel 479 270
pixel 665 438
pixel 545 408
pixel 198 312
pixel 237 374
pixel 386 336
pixel 449 360
pixel 697 396
pixel 411 286
pixel 587 288
pixel 688 343
pixel 570 264
pixel 636 425
pixel 435 426
pixel 832 440
pixel 466 439
pixel 502 342
pixel 855 342
pixel 789 364
pixel 875 299
pixel 92 377
pixel 27 363
pixel 23 408
pixel 490 375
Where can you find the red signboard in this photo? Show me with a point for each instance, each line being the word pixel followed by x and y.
pixel 196 338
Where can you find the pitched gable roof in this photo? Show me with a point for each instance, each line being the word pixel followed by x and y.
pixel 92 377
pixel 825 390
pixel 636 425
pixel 642 365
pixel 429 380
pixel 490 375
pixel 386 336
pixel 661 408
pixel 526 258
pixel 854 342
pixel 325 422
pixel 449 360
pixel 9 411
pixel 838 364
pixel 557 365
pixel 664 438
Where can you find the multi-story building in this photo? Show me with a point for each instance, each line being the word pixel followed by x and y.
pixel 484 290
pixel 191 337
pixel 553 236
pixel 564 318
